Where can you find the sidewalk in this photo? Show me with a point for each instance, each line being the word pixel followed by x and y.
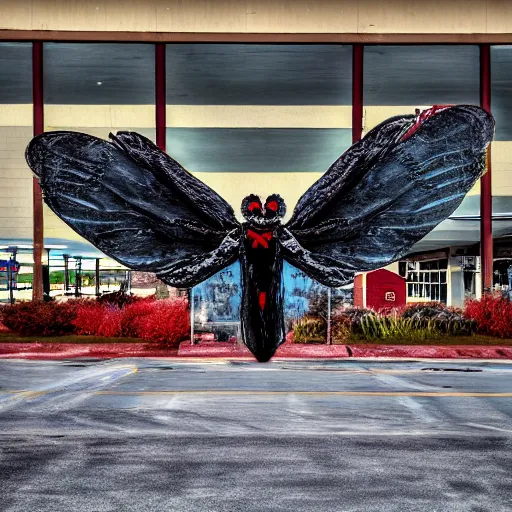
pixel 229 350
pixel 305 351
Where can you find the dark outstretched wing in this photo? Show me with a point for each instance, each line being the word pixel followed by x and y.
pixel 387 192
pixel 136 204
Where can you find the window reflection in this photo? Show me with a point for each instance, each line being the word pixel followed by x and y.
pixel 16 213
pixel 95 88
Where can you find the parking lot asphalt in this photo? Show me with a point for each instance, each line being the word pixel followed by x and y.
pixel 214 435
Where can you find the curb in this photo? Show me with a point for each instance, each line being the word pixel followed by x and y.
pixel 432 352
pixel 72 350
pixel 40 350
pixel 287 350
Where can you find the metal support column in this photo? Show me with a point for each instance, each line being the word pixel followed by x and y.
pixel 97 277
pixel 160 95
pixel 357 92
pixel 78 276
pixel 10 276
pixel 38 128
pixel 486 246
pixel 65 257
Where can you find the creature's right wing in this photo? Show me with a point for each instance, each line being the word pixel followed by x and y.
pixel 136 204
pixel 394 187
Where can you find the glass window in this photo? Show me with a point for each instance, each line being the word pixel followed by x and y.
pixel 16 213
pixel 501 104
pixel 95 88
pixel 430 284
pixel 259 74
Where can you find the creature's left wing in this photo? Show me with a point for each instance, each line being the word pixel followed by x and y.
pixel 136 204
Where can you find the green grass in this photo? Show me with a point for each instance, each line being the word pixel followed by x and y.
pixel 70 338
pixel 441 339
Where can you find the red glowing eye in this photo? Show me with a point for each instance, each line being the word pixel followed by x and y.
pixel 254 206
pixel 272 206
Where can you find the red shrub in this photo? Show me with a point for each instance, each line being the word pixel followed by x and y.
pixel 493 315
pixel 39 318
pixel 134 314
pixel 164 321
pixel 89 316
pixel 96 319
pixel 111 325
pixel 167 321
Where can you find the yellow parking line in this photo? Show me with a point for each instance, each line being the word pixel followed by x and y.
pixel 25 394
pixel 307 393
pixel 15 391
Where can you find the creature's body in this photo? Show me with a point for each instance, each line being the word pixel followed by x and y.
pixel 385 193
pixel 262 266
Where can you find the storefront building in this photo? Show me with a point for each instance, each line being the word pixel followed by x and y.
pixel 251 97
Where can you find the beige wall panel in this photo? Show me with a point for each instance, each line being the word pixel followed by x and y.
pixel 373 115
pixel 15 212
pixel 19 202
pixel 69 15
pixel 327 16
pixel 422 16
pixel 142 116
pixel 475 191
pixel 15 222
pixel 499 16
pixel 127 15
pixel 17 233
pixel 16 14
pixel 21 193
pixel 92 116
pixel 258 116
pixel 501 154
pixel 199 116
pixel 17 117
pixel 12 152
pixel 70 116
pixel 15 182
pixel 286 16
pixel 201 15
pixel 12 168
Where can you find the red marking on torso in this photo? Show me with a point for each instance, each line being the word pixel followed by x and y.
pixel 262 298
pixel 259 239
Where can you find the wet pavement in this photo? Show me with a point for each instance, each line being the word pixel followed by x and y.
pixel 156 434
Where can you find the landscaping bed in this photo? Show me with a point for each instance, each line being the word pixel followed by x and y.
pixel 162 324
pixel 483 322
pixel 113 318
pixel 76 339
pixel 440 341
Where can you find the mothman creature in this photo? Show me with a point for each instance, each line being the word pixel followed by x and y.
pixel 142 208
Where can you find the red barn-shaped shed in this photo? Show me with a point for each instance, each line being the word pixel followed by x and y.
pixel 380 289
